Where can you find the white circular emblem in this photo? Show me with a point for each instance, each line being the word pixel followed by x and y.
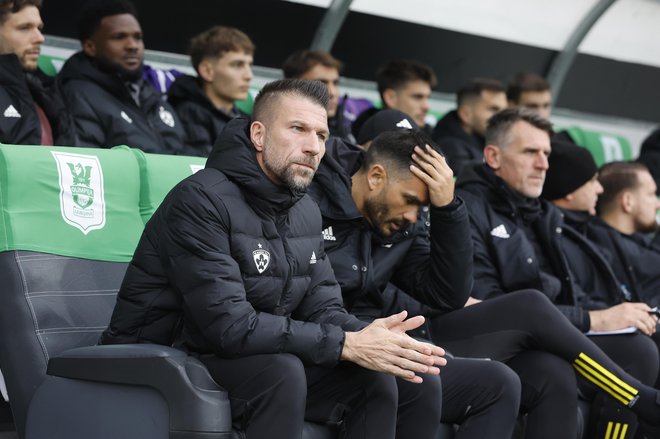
pixel 166 117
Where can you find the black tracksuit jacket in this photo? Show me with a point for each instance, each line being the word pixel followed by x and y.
pixel 21 90
pixel 435 269
pixel 505 260
pixel 634 259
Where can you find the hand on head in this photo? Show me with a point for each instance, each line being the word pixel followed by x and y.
pixel 432 168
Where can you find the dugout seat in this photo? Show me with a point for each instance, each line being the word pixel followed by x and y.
pixel 603 147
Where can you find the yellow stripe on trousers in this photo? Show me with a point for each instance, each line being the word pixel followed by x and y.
pixel 600 384
pixel 609 434
pixel 608 374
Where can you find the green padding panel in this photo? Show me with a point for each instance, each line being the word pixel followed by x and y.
pixel 604 147
pixel 159 174
pixel 246 105
pixel 50 65
pixel 80 202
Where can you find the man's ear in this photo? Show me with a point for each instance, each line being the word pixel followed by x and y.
pixel 493 156
pixel 205 70
pixel 258 135
pixel 376 177
pixel 627 202
pixel 464 113
pixel 89 48
pixel 390 98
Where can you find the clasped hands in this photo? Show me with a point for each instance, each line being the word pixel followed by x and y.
pixel 384 346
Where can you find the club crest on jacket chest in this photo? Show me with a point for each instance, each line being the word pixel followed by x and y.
pixel 261 258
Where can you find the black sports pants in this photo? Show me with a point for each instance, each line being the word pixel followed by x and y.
pixel 508 326
pixel 271 395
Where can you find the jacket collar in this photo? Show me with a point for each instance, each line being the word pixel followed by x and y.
pixel 80 66
pixel 450 126
pixel 235 156
pixel 482 181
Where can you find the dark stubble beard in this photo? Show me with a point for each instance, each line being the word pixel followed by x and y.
pixel 377 212
pixel 295 178
pixel 115 69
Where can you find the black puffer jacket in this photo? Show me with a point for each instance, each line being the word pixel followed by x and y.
pixel 105 114
pixel 460 148
pixel 19 91
pixel 505 259
pixel 202 121
pixel 241 259
pixel 436 271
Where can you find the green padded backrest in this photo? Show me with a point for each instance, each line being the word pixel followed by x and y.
pixel 80 202
pixel 50 65
pixel 604 147
pixel 159 174
pixel 247 104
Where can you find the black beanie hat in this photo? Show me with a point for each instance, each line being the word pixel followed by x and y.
pixel 384 120
pixel 570 166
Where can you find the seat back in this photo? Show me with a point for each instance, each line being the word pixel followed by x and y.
pixel 159 174
pixel 69 223
pixel 604 147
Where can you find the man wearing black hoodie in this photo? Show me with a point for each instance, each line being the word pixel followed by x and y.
pixel 32 110
pixel 222 57
pixel 236 253
pixel 110 103
pixel 460 134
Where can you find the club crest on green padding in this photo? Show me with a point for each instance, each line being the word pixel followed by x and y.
pixel 82 201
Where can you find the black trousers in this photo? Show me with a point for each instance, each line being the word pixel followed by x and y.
pixel 481 396
pixel 528 333
pixel 271 396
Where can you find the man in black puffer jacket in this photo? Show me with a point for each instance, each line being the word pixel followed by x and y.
pixel 110 103
pixel 235 254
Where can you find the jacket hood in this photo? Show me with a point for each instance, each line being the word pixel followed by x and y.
pixel 187 88
pixel 11 72
pixel 480 180
pixel 235 156
pixel 450 126
pixel 331 188
pixel 80 66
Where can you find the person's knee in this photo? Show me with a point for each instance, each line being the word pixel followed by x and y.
pixel 506 383
pixel 285 374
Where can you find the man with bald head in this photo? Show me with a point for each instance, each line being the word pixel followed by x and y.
pixel 31 109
